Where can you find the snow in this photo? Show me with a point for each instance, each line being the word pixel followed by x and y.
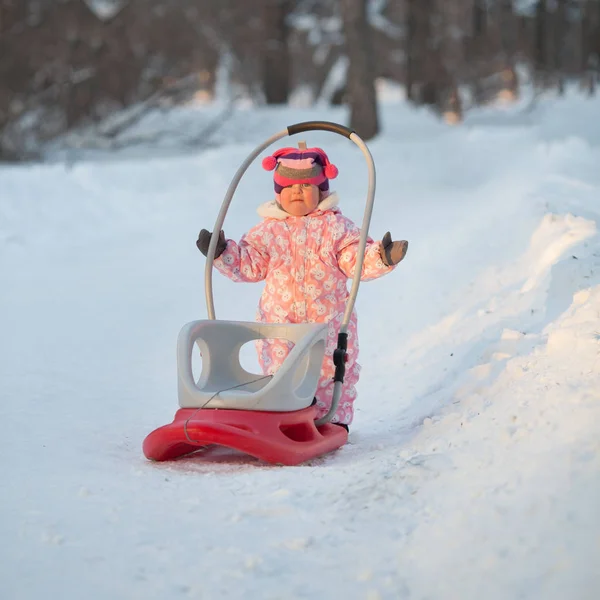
pixel 105 10
pixel 380 22
pixel 472 468
pixel 525 7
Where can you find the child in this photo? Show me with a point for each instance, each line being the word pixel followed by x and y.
pixel 306 251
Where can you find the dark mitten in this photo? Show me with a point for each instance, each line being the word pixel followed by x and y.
pixel 392 252
pixel 203 242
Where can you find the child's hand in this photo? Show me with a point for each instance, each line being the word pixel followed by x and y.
pixel 392 252
pixel 203 242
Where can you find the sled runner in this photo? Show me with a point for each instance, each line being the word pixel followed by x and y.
pixel 272 417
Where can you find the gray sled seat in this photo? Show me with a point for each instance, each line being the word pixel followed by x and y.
pixel 224 383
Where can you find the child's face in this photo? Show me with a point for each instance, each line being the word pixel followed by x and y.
pixel 300 199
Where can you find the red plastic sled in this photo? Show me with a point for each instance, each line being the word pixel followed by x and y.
pixel 287 438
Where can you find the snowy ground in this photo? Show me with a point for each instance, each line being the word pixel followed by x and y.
pixel 473 465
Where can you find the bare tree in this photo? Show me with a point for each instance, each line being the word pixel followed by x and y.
pixel 277 64
pixel 409 48
pixel 361 73
pixel 67 65
pixel 541 42
pixel 508 44
pixel 590 44
pixel 424 53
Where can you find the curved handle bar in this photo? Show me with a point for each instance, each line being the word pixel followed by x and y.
pixel 320 126
pixel 291 130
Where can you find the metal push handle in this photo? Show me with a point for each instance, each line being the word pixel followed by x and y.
pixel 339 357
pixel 320 126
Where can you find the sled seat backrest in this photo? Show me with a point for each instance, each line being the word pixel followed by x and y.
pixel 224 383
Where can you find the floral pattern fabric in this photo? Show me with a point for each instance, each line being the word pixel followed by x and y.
pixel 306 263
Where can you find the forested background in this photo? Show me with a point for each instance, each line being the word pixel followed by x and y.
pixel 68 65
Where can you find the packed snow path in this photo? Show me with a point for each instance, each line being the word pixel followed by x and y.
pixel 473 465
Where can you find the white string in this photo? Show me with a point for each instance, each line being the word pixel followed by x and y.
pixel 185 425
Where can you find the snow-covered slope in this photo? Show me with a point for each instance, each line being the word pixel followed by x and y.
pixel 473 465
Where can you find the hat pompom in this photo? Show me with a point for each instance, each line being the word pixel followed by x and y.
pixel 269 163
pixel 331 171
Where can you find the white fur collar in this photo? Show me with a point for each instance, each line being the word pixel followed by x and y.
pixel 270 209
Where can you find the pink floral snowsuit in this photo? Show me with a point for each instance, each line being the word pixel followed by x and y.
pixel 306 262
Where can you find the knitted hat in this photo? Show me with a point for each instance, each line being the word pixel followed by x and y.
pixel 294 165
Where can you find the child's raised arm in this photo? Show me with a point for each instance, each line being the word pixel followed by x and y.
pixel 347 238
pixel 247 261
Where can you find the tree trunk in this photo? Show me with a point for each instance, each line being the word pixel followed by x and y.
pixel 507 30
pixel 541 55
pixel 276 74
pixel 479 18
pixel 409 49
pixel 428 72
pixel 361 69
pixel 590 46
pixel 509 49
pixel 560 37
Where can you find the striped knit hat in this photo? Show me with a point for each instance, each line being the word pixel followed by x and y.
pixel 293 165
